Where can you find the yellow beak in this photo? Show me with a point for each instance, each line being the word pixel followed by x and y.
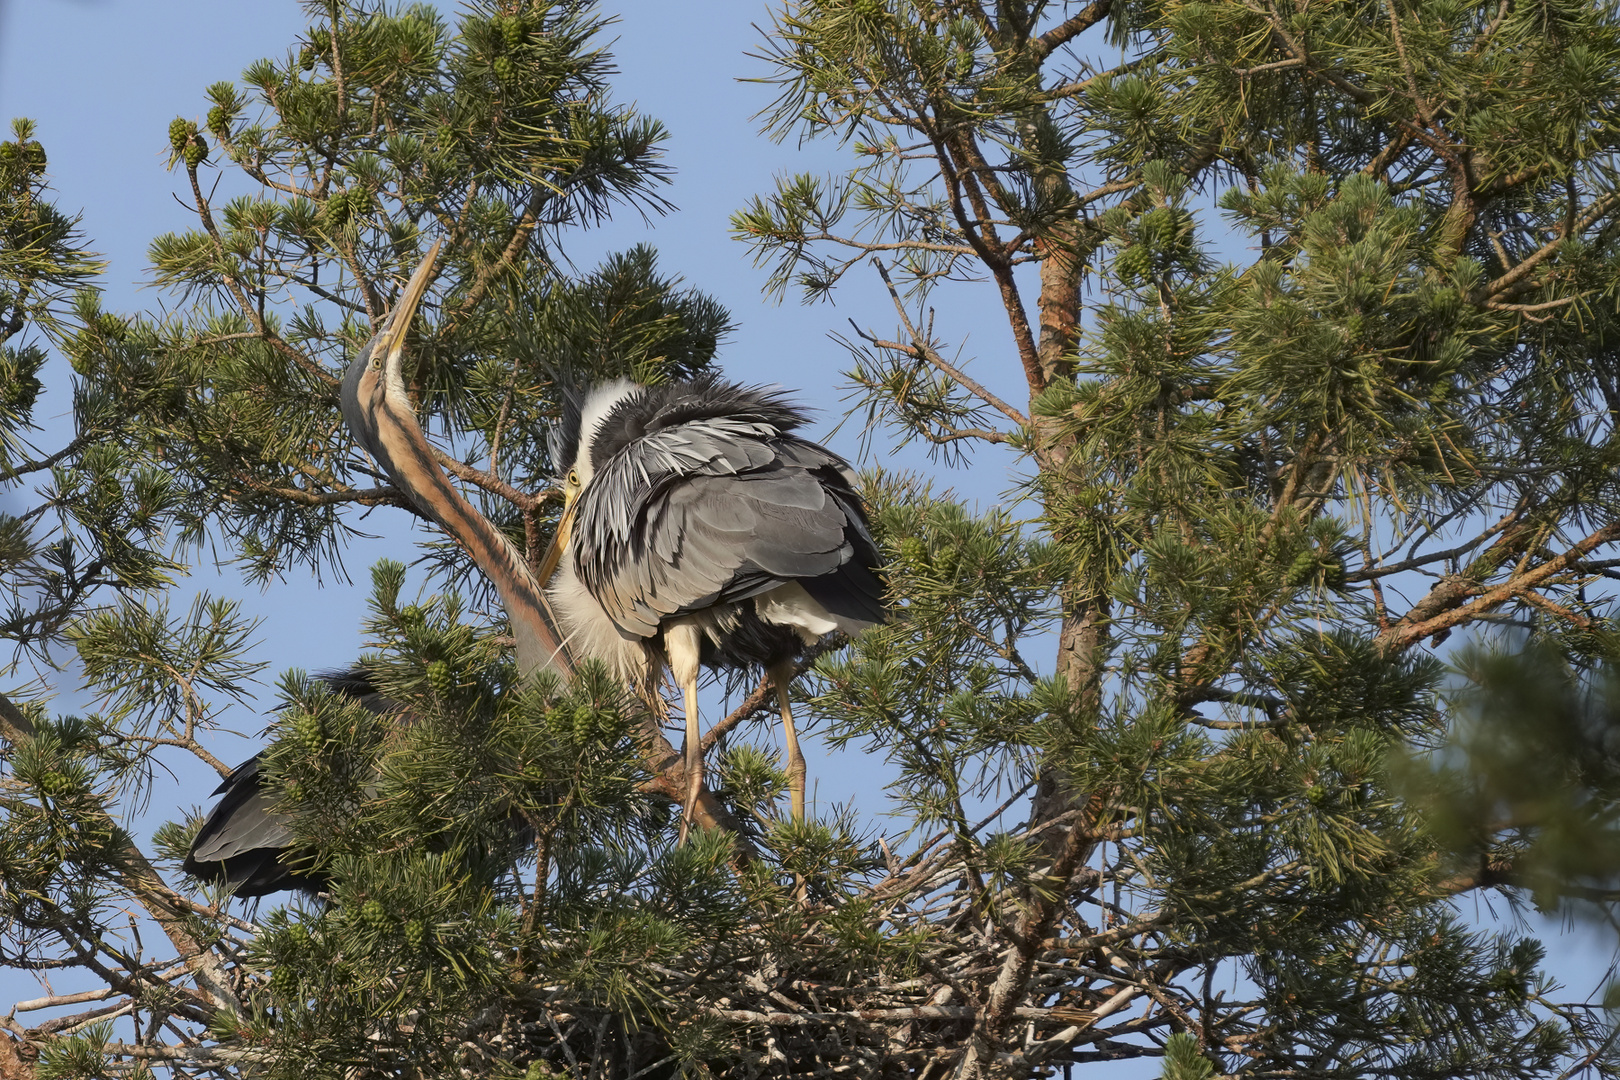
pixel 559 541
pixel 390 340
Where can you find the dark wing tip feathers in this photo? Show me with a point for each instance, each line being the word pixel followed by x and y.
pixel 242 843
pixel 562 440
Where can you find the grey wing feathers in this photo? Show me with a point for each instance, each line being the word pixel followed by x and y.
pixel 716 512
pixel 855 591
pixel 245 842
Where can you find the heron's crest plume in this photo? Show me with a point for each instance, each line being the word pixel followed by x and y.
pixel 600 423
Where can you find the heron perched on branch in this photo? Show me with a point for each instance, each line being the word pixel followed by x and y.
pixel 698 529
pixel 243 841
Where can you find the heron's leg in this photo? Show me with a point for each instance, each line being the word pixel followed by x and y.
pixel 782 676
pixel 681 642
pixel 694 756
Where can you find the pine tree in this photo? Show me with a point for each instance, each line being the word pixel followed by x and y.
pixel 1270 485
pixel 1312 308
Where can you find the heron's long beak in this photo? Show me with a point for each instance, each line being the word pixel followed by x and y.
pixel 389 343
pixel 553 556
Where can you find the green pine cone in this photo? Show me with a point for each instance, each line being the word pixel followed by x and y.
pixel 584 723
pixel 440 678
pixel 284 982
pixel 1133 264
pixel 559 722
pixel 19 393
pixel 308 730
pixel 374 914
pixel 179 131
pixel 336 212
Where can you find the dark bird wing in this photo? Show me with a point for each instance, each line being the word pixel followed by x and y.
pixel 716 511
pixel 244 842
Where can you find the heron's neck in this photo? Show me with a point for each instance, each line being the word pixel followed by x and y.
pixel 404 454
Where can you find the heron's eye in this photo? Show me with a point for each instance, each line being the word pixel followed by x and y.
pixel 573 478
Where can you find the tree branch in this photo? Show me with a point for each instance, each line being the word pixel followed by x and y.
pixel 1443 607
pixel 1070 28
pixel 922 350
pixel 167 908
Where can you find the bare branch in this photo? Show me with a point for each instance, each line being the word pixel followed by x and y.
pixel 922 350
pixel 1070 28
pixel 1447 597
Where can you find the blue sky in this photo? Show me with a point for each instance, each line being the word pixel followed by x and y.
pixel 103 78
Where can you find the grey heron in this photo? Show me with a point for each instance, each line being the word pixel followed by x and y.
pixel 243 841
pixel 699 530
